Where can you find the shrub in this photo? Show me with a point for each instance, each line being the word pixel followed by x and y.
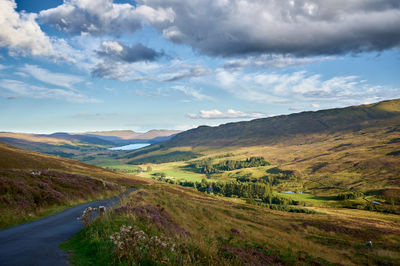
pixel 137 246
pixel 88 215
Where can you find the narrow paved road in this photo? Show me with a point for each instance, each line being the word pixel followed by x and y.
pixel 36 243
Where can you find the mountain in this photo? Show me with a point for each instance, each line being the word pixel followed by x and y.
pixel 59 138
pixel 121 134
pixel 80 138
pixel 128 136
pixel 274 129
pixel 80 145
pixel 327 152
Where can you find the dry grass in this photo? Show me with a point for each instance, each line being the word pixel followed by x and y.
pixel 33 185
pixel 227 232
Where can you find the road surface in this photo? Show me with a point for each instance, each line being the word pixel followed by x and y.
pixel 36 243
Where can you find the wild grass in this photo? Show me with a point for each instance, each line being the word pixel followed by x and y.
pixel 28 195
pixel 225 232
pixel 34 185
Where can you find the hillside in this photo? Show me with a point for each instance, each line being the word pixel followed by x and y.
pixel 33 184
pixel 129 136
pixel 171 225
pixel 324 153
pixel 274 129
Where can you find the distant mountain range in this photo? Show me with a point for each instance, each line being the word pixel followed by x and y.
pixel 107 138
pixel 129 136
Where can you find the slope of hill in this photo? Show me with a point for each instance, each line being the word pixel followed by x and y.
pixel 274 129
pixel 129 136
pixel 326 153
pixel 80 138
pixel 60 144
pixel 83 147
pixel 34 184
pixel 121 134
pixel 172 225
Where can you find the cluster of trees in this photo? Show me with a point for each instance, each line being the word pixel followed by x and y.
pixel 207 167
pixel 349 195
pixel 121 170
pixel 260 191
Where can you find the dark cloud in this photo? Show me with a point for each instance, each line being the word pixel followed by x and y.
pixel 119 52
pixel 296 27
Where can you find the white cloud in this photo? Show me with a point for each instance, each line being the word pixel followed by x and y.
pixel 193 93
pixel 184 71
pixel 22 35
pixel 270 61
pixel 315 105
pixel 20 31
pixel 216 114
pixel 100 17
pixel 301 86
pixel 112 47
pixel 16 89
pixel 58 79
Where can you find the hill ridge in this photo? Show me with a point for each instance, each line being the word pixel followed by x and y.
pixel 268 130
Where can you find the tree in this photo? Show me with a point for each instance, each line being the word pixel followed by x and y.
pixel 149 169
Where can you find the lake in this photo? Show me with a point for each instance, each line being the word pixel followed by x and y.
pixel 130 147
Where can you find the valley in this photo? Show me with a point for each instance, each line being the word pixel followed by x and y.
pixel 298 197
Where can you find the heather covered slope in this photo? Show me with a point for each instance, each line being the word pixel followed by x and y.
pixel 33 184
pixel 274 129
pixel 172 225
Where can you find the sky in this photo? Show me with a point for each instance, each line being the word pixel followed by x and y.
pixel 87 65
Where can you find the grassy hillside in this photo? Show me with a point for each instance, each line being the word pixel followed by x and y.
pixel 357 151
pixel 33 185
pixel 172 225
pixel 275 129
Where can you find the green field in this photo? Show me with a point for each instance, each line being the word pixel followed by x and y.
pixel 172 170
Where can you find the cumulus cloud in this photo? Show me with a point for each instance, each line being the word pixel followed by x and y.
pixel 116 51
pixel 216 114
pixel 99 17
pixel 302 86
pixel 44 75
pixel 193 93
pixel 15 88
pixel 20 31
pixel 301 27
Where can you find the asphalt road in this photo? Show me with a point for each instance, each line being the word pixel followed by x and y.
pixel 36 243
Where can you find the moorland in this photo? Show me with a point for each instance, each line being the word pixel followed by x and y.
pixel 306 188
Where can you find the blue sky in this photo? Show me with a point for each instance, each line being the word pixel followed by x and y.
pixel 160 64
